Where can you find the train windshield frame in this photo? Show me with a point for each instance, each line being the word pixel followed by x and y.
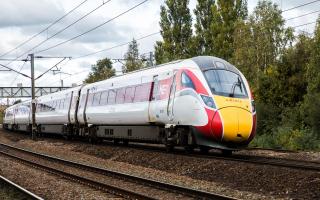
pixel 225 83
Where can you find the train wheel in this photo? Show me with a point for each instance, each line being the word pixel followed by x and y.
pixel 226 152
pixel 116 141
pixel 169 148
pixel 188 149
pixel 204 150
pixel 125 142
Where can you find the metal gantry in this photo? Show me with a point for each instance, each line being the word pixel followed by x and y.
pixel 25 92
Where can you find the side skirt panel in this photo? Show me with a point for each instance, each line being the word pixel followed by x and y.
pixel 145 133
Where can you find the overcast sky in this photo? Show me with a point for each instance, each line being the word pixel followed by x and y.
pixel 21 19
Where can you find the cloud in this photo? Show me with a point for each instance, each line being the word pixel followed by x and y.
pixel 31 12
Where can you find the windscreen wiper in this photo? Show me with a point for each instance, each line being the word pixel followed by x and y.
pixel 233 88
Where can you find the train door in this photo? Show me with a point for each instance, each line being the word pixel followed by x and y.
pixel 85 107
pixel 82 105
pixel 154 96
pixel 70 118
pixel 170 112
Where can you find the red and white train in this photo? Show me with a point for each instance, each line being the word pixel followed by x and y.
pixel 199 102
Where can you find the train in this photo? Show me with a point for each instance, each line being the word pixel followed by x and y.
pixel 203 102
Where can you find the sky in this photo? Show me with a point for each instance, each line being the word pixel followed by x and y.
pixel 20 20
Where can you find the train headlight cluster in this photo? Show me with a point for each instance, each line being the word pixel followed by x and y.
pixel 253 105
pixel 208 101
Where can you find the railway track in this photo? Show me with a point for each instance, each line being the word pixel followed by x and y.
pixel 27 194
pixel 156 189
pixel 254 159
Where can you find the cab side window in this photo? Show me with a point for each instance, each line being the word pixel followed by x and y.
pixel 186 81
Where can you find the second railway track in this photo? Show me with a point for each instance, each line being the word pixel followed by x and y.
pixel 254 159
pixel 120 184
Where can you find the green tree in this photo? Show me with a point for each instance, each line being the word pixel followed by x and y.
pixel 133 61
pixel 291 73
pixel 100 71
pixel 204 18
pixel 260 42
pixel 176 31
pixel 311 104
pixel 226 14
pixel 259 47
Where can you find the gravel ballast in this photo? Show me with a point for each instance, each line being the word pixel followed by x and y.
pixel 239 180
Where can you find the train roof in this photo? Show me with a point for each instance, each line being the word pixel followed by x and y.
pixel 211 62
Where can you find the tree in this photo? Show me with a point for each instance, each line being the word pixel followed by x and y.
pixel 260 42
pixel 226 14
pixel 311 105
pixel 204 18
pixel 176 31
pixel 133 62
pixel 100 71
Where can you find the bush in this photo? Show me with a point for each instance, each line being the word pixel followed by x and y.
pixel 288 138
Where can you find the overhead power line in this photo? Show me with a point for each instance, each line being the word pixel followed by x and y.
pixel 10 69
pixel 60 31
pixel 299 6
pixel 304 24
pixel 51 68
pixel 116 46
pixel 103 50
pixel 94 28
pixel 65 28
pixel 302 15
pixel 53 23
pixel 13 81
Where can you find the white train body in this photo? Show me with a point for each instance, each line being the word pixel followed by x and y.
pixel 176 103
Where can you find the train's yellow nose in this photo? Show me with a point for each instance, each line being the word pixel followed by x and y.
pixel 237 124
pixel 236 118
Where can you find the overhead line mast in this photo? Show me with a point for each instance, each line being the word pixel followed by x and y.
pixel 61 30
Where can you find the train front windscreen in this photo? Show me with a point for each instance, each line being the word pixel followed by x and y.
pixel 226 83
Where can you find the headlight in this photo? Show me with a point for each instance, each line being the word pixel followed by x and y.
pixel 208 101
pixel 253 105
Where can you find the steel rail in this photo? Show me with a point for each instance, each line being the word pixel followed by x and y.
pixel 259 160
pixel 198 194
pixel 88 182
pixel 21 189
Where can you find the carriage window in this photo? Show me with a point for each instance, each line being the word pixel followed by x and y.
pixel 59 104
pixel 62 104
pixel 90 99
pixel 111 97
pixel 104 98
pixel 142 92
pixel 186 81
pixel 120 95
pixel 129 94
pixel 96 99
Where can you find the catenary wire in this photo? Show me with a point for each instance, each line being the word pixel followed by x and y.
pixel 61 30
pixel 94 28
pixel 65 28
pixel 304 24
pixel 299 6
pixel 13 81
pixel 116 46
pixel 53 23
pixel 302 15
